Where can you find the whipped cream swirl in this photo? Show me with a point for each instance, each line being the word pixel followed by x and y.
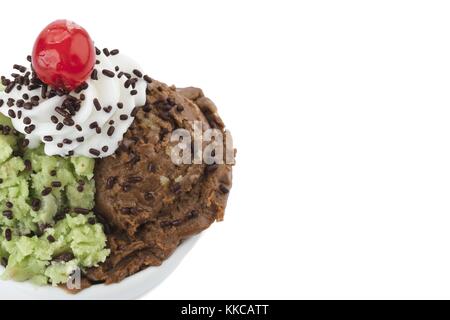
pixel 104 114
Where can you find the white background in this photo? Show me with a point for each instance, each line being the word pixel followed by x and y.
pixel 340 112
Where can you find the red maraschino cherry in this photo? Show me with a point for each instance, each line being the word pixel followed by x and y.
pixel 63 55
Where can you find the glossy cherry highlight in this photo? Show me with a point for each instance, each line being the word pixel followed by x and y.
pixel 63 55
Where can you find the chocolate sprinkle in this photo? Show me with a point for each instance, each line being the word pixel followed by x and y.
pixel 97 104
pixel 81 210
pixel 148 79
pixel 30 129
pixel 46 191
pixel 110 131
pixel 94 74
pixel 6 130
pixel 44 91
pixel 146 108
pixel 20 68
pixel 129 210
pixel 108 73
pixel 66 257
pixel 110 182
pixel 62 112
pixel 11 113
pixel 10 87
pixel 25 143
pixel 68 122
pixel 8 214
pixel 177 222
pixel 56 184
pixel 8 234
pixel 10 102
pixel 134 179
pixel 224 189
pixel 36 204
pixel 137 73
pixel 94 152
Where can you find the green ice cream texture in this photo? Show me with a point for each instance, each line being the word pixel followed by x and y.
pixel 37 240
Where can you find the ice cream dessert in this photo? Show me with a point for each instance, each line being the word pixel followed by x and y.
pixel 88 181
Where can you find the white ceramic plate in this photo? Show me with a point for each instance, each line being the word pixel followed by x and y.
pixel 131 288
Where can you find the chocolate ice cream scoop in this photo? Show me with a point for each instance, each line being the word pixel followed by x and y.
pixel 148 202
